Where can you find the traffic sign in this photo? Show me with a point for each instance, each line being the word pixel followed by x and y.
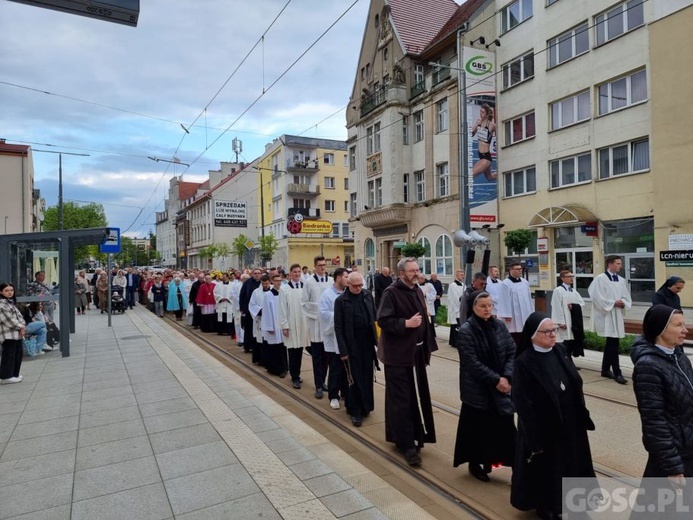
pixel 111 244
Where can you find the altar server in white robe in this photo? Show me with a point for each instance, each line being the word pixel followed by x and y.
pixel 494 287
pixel 274 351
pixel 455 293
pixel 515 304
pixel 222 295
pixel 236 308
pixel 292 321
pixel 257 299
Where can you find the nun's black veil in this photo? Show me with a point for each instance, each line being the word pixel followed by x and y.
pixel 656 320
pixel 530 328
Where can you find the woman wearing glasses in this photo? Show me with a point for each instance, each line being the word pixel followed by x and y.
pixel 553 421
pixel 486 429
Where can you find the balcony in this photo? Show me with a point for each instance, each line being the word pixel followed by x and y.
pixel 302 164
pixel 302 189
pixel 373 100
pixel 388 216
pixel 418 88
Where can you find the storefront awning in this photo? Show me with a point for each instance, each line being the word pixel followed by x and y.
pixel 555 216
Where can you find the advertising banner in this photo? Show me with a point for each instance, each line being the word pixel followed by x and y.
pixel 230 214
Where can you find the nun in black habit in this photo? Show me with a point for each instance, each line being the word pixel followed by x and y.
pixel 668 293
pixel 486 429
pixel 553 421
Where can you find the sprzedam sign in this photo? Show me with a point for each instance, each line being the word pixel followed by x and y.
pixel 230 214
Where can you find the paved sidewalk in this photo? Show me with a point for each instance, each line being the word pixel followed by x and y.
pixel 140 423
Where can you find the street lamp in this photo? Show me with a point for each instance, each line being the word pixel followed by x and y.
pixel 60 181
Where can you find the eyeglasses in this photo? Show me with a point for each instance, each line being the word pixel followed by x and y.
pixel 356 284
pixel 549 332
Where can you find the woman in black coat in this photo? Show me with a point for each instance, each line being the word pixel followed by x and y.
pixel 553 421
pixel 663 385
pixel 486 430
pixel 668 293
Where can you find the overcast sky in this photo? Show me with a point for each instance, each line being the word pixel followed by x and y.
pixel 163 73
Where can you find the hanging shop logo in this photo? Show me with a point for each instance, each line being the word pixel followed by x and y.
pixel 478 66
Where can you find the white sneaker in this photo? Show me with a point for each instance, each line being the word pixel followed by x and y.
pixel 48 349
pixel 40 353
pixel 334 404
pixel 20 377
pixel 10 381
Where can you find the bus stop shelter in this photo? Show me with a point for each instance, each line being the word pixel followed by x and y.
pixel 21 255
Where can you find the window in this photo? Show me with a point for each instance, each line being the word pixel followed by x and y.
pixel 519 70
pixel 442 110
pixel 329 205
pixel 385 53
pixel 419 76
pixel 405 187
pixel 345 230
pixel 363 73
pixel 329 183
pixel 376 137
pixel 371 194
pixel 335 230
pixel 619 20
pixel 623 92
pixel 328 158
pixel 418 126
pixel 346 160
pixel 519 129
pixel 568 45
pixel 275 208
pixel 444 254
pixel 549 2
pixel 520 182
pixel 378 192
pixel 570 110
pixel 625 158
pixel 515 13
pixel 302 203
pixel 369 140
pixel 346 183
pixel 443 178
pixel 301 179
pixel 405 129
pixel 440 73
pixel 369 254
pixel 352 158
pixel 346 206
pixel 352 203
pixel 420 182
pixel 425 263
pixel 571 170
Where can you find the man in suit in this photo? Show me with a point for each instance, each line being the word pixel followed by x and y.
pixel 381 282
pixel 133 283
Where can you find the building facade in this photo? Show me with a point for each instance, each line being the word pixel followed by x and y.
pixel 580 137
pixel 405 150
pixel 307 177
pixel 22 205
pixel 166 239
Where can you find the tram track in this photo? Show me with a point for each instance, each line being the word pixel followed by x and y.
pixel 458 501
pixel 459 493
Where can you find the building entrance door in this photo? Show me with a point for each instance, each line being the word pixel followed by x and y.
pixel 640 275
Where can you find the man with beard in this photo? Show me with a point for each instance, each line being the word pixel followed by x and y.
pixel 354 325
pixel 196 310
pixel 247 289
pixel 404 348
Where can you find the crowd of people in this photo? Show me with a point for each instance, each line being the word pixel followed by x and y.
pixel 522 400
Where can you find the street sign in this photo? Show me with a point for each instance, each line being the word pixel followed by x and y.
pixel 676 255
pixel 249 244
pixel 111 244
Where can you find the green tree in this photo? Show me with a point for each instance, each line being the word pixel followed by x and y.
pixel 77 216
pixel 239 249
pixel 208 252
pixel 222 251
pixel 518 240
pixel 413 250
pixel 268 246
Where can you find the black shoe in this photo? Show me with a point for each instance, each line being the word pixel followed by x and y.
pixel 477 471
pixel 608 374
pixel 240 344
pixel 412 456
pixel 621 380
pixel 296 384
pixel 282 375
pixel 318 393
pixel 357 421
pixel 578 368
pixel 324 387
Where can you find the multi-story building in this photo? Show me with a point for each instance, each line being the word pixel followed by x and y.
pixel 309 177
pixel 224 208
pixel 586 159
pixel 22 205
pixel 178 191
pixel 405 151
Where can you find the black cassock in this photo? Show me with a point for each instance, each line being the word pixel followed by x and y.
pixel 553 420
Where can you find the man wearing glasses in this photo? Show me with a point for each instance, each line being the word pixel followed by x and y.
pixel 515 302
pixel 404 348
pixel 566 313
pixel 313 288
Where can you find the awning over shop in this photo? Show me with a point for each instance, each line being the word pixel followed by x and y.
pixel 555 216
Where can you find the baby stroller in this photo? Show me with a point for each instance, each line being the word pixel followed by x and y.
pixel 117 299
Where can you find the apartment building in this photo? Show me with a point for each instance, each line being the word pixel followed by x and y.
pixel 166 241
pixel 405 149
pixel 304 200
pixel 22 205
pixel 586 160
